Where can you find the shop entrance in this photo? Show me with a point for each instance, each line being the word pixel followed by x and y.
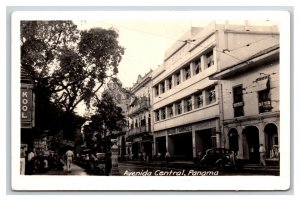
pixel 271 135
pixel 233 140
pixel 135 150
pixel 183 148
pixel 148 149
pixel 161 146
pixel 252 143
pixel 204 140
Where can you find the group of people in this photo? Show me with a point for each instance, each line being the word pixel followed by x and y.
pixel 37 162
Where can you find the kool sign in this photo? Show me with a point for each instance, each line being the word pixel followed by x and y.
pixel 26 105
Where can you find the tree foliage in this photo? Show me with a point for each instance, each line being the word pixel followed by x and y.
pixel 66 65
pixel 71 64
pixel 107 120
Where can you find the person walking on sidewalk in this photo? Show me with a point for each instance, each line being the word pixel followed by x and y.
pixel 262 153
pixel 69 157
pixel 167 158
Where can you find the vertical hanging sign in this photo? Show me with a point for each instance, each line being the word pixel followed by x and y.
pixel 26 107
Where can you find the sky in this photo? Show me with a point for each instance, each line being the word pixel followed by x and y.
pixel 145 42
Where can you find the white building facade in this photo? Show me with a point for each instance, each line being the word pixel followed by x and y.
pixel 250 94
pixel 187 105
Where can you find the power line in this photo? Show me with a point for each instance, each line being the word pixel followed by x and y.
pixel 185 41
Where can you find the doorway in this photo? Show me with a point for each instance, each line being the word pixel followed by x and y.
pixel 252 143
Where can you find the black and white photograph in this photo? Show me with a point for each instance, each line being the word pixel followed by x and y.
pixel 150 100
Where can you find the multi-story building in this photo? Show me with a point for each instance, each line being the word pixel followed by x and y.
pixel 121 97
pixel 187 109
pixel 250 97
pixel 139 134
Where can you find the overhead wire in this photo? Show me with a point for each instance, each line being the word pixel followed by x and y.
pixel 190 41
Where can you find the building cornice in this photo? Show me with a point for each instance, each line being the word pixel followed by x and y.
pixel 269 54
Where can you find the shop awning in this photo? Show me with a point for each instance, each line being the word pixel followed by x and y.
pixel 262 84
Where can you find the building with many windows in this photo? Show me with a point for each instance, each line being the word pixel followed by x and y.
pixel 250 97
pixel 139 135
pixel 187 105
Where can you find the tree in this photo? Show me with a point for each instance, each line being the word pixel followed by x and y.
pixel 72 64
pixel 108 114
pixel 107 120
pixel 68 66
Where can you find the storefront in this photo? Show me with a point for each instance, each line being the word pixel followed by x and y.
pixel 245 136
pixel 183 142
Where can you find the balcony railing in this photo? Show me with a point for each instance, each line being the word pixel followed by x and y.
pixel 141 105
pixel 140 130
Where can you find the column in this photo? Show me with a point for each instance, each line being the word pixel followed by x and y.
pixel 170 145
pixel 173 80
pixel 241 143
pixel 114 158
pixel 203 63
pixel 204 94
pixel 262 139
pixel 193 102
pixel 218 133
pixel 159 89
pixel 194 143
pixel 182 75
pixel 182 106
pixel 192 68
pixel 154 146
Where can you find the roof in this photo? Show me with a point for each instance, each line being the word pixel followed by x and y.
pixel 255 59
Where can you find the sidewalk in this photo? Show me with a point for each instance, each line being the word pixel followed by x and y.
pixel 75 170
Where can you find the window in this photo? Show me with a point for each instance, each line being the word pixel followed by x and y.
pixel 210 59
pixel 238 103
pixel 199 100
pixel 178 108
pixel 211 95
pixel 163 113
pixel 177 78
pixel 170 82
pixel 156 115
pixel 156 93
pixel 162 87
pixel 143 122
pixel 264 101
pixel 197 66
pixel 170 111
pixel 187 72
pixel 188 104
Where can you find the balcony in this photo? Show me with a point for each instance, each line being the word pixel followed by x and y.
pixel 140 130
pixel 138 105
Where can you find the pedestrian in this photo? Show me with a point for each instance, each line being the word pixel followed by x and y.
pixel 199 156
pixel 46 164
pixel 22 160
pixel 69 157
pixel 251 153
pixel 30 159
pixel 167 157
pixel 262 153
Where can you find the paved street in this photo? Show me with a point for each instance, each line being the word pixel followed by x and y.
pixel 75 170
pixel 178 168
